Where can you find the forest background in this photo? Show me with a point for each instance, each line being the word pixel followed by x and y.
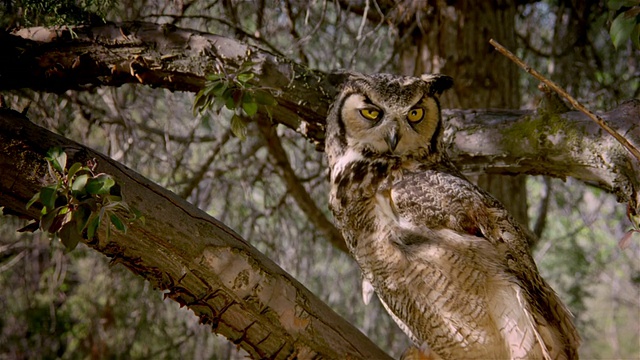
pixel 269 183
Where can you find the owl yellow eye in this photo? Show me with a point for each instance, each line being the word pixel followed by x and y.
pixel 370 114
pixel 415 115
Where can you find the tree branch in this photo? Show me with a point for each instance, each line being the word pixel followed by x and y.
pixel 164 56
pixel 575 103
pixel 481 141
pixel 558 145
pixel 195 259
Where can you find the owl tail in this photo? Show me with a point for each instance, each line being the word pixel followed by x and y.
pixel 558 339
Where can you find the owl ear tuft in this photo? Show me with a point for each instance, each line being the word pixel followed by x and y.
pixel 437 83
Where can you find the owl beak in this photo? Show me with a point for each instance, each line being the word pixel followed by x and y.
pixel 392 139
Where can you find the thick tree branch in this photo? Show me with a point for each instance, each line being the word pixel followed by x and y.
pixel 505 142
pixel 558 145
pixel 197 260
pixel 575 103
pixel 159 56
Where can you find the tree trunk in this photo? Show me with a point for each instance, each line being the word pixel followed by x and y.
pixel 454 40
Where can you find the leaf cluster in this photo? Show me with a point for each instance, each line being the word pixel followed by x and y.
pixel 236 92
pixel 626 24
pixel 78 201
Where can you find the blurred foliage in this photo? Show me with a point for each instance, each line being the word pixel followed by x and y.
pixel 58 305
pixel 626 23
pixel 52 12
pixel 579 255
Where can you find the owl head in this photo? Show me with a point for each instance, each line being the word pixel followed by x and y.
pixel 387 115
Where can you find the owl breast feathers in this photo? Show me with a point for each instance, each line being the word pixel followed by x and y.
pixel 448 262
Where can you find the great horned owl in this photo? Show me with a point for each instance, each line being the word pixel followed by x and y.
pixel 448 262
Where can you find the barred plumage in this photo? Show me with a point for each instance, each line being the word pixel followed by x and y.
pixel 446 259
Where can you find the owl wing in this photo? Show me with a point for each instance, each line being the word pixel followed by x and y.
pixel 474 229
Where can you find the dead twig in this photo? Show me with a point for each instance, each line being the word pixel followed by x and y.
pixel 575 103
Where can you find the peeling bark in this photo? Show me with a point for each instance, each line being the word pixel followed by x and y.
pixel 46 59
pixel 195 259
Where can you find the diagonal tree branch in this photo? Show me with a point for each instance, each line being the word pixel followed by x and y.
pixel 195 259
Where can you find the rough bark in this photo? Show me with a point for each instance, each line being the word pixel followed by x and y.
pixel 195 259
pixel 558 145
pixel 55 60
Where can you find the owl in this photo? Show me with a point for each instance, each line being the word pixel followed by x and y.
pixel 447 261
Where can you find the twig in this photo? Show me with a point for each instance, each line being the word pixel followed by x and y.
pixel 575 103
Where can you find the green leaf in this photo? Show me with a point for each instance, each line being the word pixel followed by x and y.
pixel 63 217
pixel 46 220
pixel 265 98
pixel 250 108
pixel 231 102
pixel 81 217
pixel 100 184
pixel 117 222
pixel 621 29
pixel 219 89
pixel 217 105
pixel 617 4
pixel 199 102
pixel 79 183
pixel 48 195
pixel 58 159
pixel 249 104
pixel 113 199
pixel 92 226
pixel 69 235
pixel 73 170
pixel 238 127
pixel 214 76
pixel 35 198
pixel 244 77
